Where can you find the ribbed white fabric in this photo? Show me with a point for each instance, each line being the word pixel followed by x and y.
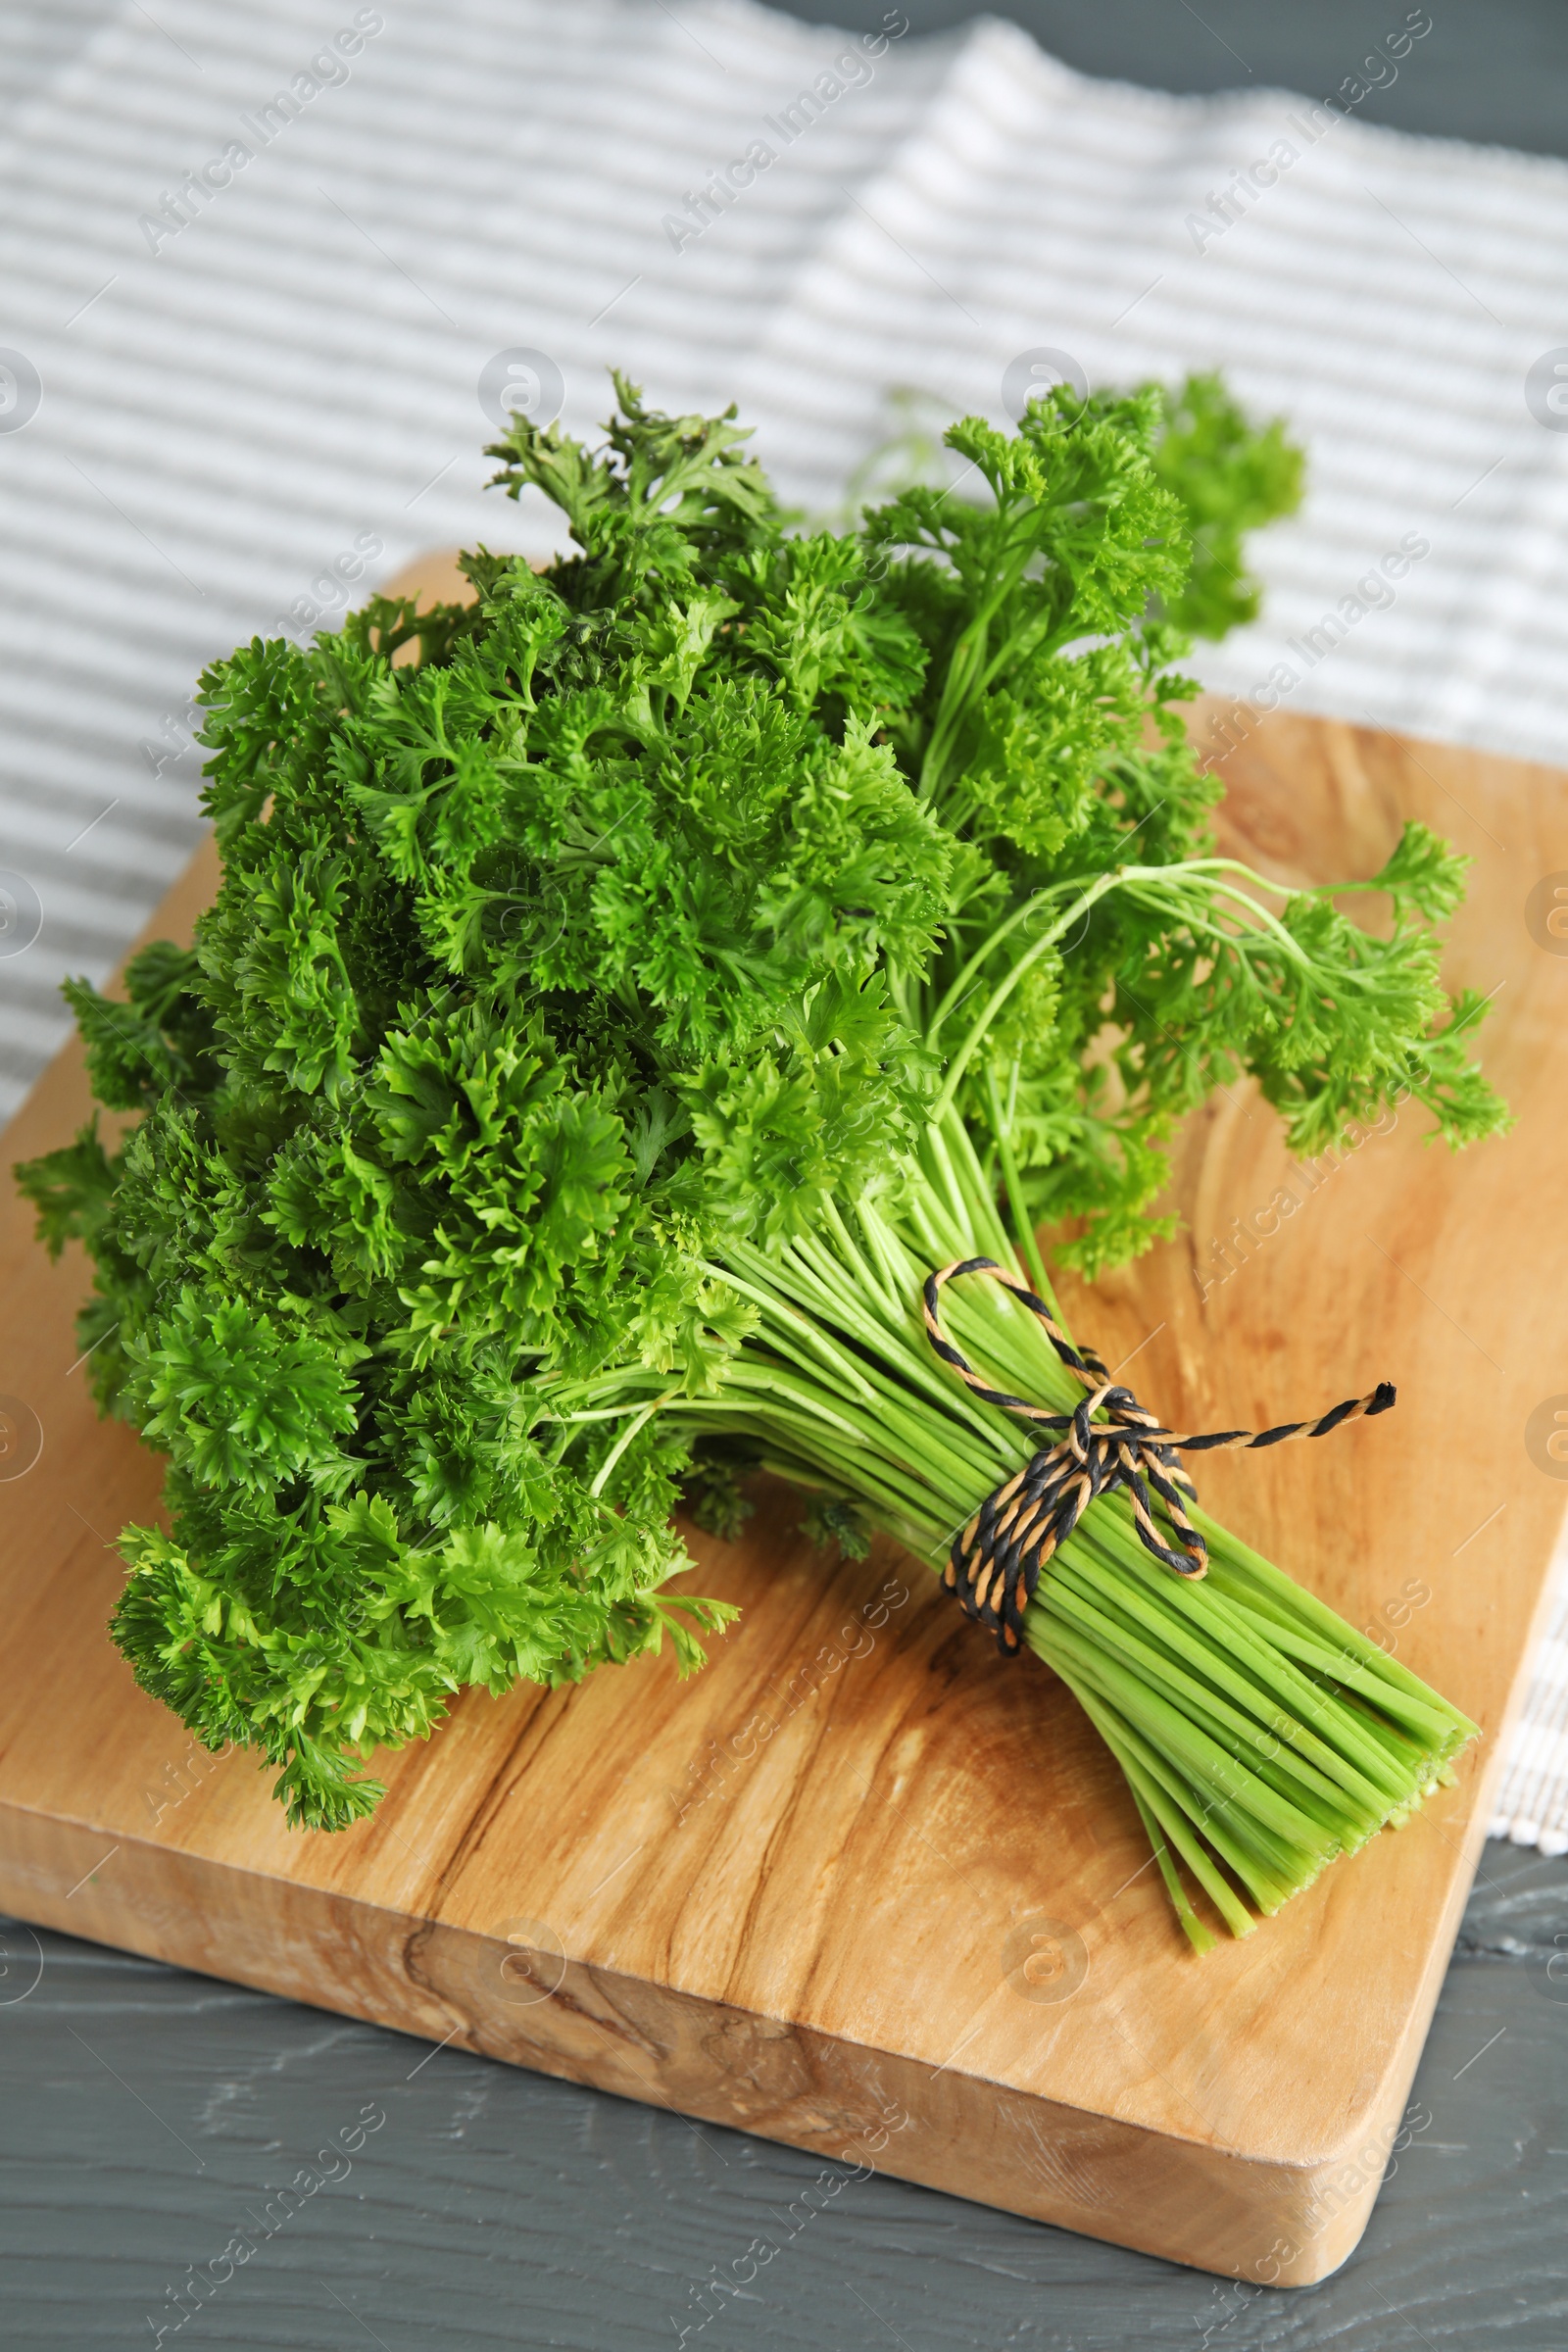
pixel 230 406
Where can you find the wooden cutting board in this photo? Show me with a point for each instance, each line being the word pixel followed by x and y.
pixel 861 1887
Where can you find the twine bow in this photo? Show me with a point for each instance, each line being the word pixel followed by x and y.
pixel 996 1561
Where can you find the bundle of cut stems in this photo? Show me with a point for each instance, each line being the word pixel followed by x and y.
pixel 1260 1735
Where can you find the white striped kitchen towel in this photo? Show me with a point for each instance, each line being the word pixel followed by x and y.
pixel 261 270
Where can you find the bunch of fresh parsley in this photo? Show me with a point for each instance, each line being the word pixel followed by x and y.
pixel 656 912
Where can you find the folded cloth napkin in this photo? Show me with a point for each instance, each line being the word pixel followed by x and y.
pixel 266 288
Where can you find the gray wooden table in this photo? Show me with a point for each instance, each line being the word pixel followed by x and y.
pixel 152 2119
pixel 1491 71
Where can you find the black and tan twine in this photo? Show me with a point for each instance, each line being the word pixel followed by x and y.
pixel 996 1561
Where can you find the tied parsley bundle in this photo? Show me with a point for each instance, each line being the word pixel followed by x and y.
pixel 609 1020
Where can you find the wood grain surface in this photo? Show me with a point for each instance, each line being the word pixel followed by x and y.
pixel 149 2116
pixel 796 1895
